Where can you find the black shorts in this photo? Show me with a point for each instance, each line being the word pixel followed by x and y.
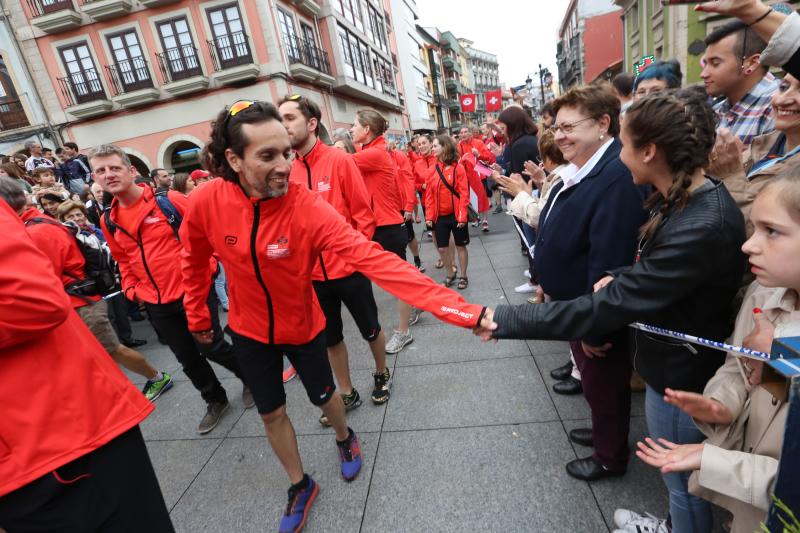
pixel 410 230
pixel 393 238
pixel 262 369
pixel 355 292
pixel 111 488
pixel 447 225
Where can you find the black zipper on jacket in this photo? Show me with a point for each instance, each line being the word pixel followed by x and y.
pixel 140 244
pixel 257 268
pixel 310 188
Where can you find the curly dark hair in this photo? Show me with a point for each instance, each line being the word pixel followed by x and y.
pixel 680 123
pixel 226 132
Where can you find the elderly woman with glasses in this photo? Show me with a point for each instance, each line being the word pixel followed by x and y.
pixel 588 227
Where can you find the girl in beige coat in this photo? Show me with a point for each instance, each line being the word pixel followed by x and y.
pixel 737 465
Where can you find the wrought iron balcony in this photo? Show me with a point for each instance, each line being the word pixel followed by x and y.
pixel 53 16
pixel 179 63
pixel 230 50
pixel 45 7
pixel 81 88
pixel 306 53
pixel 130 75
pixel 12 115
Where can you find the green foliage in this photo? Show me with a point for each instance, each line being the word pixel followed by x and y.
pixel 790 522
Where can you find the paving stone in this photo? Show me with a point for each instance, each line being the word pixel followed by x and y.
pixel 503 478
pixel 502 391
pixel 177 463
pixel 243 488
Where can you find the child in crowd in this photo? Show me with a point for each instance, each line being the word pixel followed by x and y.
pixel 47 192
pixel 737 465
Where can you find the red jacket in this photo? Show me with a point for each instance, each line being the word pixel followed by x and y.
pixel 382 180
pixel 439 194
pixel 483 152
pixel 58 244
pixel 62 395
pixel 406 183
pixel 422 169
pixel 148 251
pixel 269 248
pixel 334 175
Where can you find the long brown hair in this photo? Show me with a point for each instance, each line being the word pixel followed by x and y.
pixel 518 123
pixel 13 170
pixel 449 155
pixel 369 117
pixel 681 125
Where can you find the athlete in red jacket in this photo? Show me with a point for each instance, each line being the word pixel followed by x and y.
pixel 380 171
pixel 406 173
pixel 446 212
pixel 472 150
pixel 270 231
pixel 69 427
pixel 146 246
pixel 334 175
pixel 59 245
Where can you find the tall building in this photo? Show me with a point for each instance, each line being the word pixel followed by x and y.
pixel 438 109
pixel 452 62
pixel 590 42
pixel 150 75
pixel 412 55
pixel 672 32
pixel 482 72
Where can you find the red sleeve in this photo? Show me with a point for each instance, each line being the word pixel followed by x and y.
pixel 33 301
pixel 484 154
pixel 407 175
pixel 195 257
pixel 52 245
pixel 180 201
pixel 420 174
pixel 129 280
pixel 462 188
pixel 390 272
pixel 367 160
pixel 357 197
pixel 431 195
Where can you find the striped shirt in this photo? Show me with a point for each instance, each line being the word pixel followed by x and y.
pixel 752 115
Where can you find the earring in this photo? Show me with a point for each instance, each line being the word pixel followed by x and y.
pixel 602 136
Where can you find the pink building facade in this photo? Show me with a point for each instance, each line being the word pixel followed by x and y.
pixel 150 75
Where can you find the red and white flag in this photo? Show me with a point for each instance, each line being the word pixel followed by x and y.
pixel 468 103
pixel 494 100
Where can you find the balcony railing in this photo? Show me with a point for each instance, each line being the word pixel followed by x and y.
pixel 45 7
pixel 130 75
pixel 12 115
pixel 179 63
pixel 302 51
pixel 83 87
pixel 230 50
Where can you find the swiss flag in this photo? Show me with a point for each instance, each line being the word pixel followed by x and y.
pixel 468 103
pixel 494 100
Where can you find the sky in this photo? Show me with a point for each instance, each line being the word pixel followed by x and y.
pixel 522 33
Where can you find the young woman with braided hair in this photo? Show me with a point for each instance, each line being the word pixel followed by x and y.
pixel 688 268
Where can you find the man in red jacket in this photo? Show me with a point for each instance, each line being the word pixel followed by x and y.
pixel 271 232
pixel 334 175
pixel 143 239
pixel 72 456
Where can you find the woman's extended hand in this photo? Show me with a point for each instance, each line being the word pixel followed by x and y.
pixel 726 156
pixel 699 407
pixel 513 184
pixel 535 172
pixel 669 457
pixel 759 339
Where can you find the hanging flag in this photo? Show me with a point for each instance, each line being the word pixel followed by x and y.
pixel 494 100
pixel 468 103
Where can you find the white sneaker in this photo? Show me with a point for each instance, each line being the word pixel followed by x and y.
pixel 632 522
pixel 399 341
pixel 525 288
pixel 527 273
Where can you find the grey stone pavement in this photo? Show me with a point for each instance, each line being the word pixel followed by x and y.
pixel 473 438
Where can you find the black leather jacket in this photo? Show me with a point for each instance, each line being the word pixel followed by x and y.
pixel 687 276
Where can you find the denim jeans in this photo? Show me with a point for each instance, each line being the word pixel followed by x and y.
pixel 221 286
pixel 689 514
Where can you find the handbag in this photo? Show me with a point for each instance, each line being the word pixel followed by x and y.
pixel 472 215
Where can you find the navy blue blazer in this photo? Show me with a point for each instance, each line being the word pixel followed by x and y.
pixel 593 228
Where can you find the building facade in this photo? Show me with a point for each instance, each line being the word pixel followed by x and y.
pixel 150 75
pixel 430 38
pixel 590 42
pixel 483 75
pixel 452 61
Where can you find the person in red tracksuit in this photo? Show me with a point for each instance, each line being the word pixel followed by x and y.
pixel 334 175
pixel 446 212
pixel 146 248
pixel 471 150
pixel 387 191
pixel 406 172
pixel 269 232
pixel 72 455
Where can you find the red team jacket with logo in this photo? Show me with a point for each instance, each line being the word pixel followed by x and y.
pixel 439 198
pixel 148 252
pixel 62 395
pixel 333 174
pixel 406 175
pixel 270 247
pixel 383 182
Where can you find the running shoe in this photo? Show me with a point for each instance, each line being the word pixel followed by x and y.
pixel 350 454
pixel 289 374
pixel 525 288
pixel 632 522
pixel 475 224
pixel 527 273
pixel 399 341
pixel 485 226
pixel 421 266
pixel 153 389
pixel 351 401
pixel 430 235
pixel 212 417
pixel 380 394
pixel 498 209
pixel 296 513
pixel 414 317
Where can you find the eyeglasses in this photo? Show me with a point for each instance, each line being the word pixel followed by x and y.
pixel 568 127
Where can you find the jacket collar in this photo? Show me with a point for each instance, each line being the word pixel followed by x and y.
pixel 148 198
pixel 377 142
pixel 314 154
pixel 32 213
pixel 611 152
